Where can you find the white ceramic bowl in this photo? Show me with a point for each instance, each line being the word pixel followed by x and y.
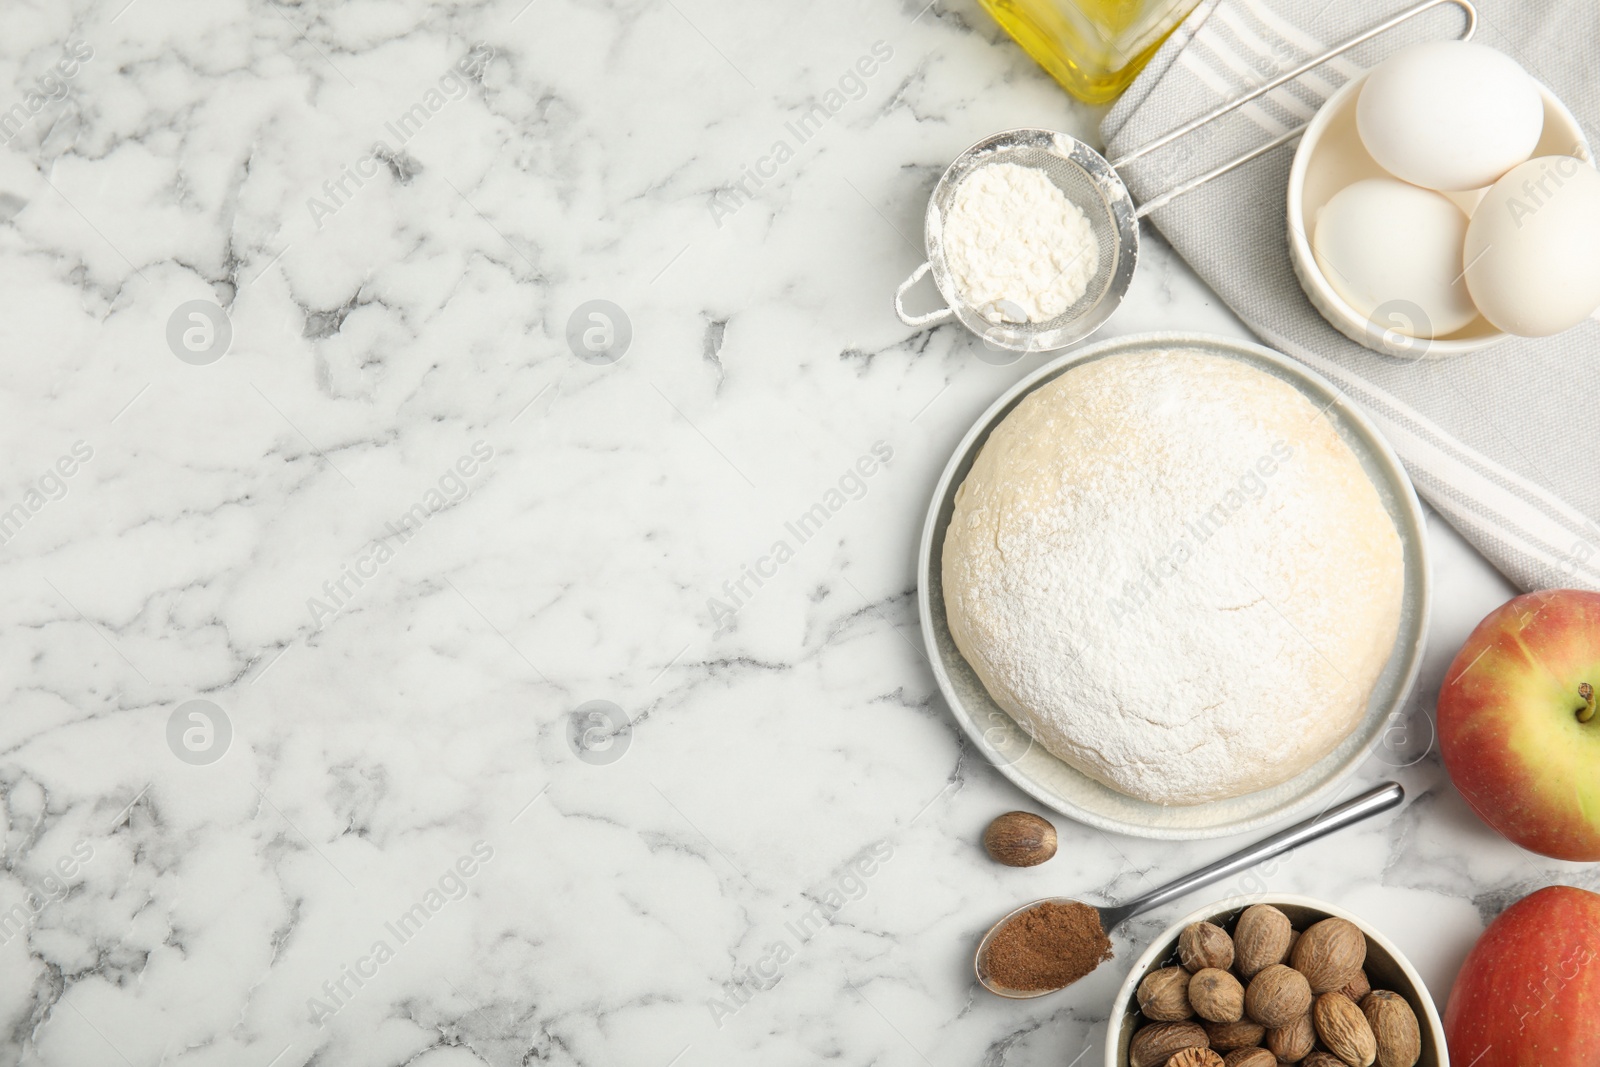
pixel 1386 966
pixel 1076 795
pixel 1330 157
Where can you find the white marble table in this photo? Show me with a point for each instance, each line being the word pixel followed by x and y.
pixel 396 533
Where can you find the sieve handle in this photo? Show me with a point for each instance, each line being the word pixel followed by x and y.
pixel 900 307
pixel 1267 87
pixel 1194 183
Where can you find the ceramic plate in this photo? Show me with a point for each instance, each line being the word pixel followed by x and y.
pixel 1073 793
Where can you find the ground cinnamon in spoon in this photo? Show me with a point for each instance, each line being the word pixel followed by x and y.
pixel 1046 947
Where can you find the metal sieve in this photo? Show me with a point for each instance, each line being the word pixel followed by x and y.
pixel 1091 182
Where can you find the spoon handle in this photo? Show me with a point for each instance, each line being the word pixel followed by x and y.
pixel 1378 799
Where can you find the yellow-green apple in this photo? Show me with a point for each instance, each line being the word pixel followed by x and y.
pixel 1518 726
pixel 1528 994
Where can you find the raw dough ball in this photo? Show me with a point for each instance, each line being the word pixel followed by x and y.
pixel 1173 573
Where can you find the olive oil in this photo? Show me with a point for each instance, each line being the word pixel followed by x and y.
pixel 1094 48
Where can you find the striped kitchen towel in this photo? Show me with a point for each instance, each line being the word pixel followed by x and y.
pixel 1504 442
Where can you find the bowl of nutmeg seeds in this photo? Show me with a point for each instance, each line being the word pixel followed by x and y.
pixel 1261 981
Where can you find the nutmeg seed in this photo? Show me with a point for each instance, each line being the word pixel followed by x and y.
pixel 1154 1045
pixel 1164 995
pixel 1195 1057
pixel 1322 1059
pixel 1330 953
pixel 1342 1027
pixel 1260 939
pixel 1277 996
pixel 1203 945
pixel 1020 839
pixel 1216 995
pixel 1358 987
pixel 1249 1057
pixel 1394 1025
pixel 1225 1037
pixel 1294 1042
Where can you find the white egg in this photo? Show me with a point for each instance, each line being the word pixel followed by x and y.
pixel 1449 114
pixel 1393 252
pixel 1533 247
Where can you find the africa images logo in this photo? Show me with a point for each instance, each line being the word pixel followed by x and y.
pixel 199 732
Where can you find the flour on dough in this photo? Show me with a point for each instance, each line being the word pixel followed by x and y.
pixel 1175 575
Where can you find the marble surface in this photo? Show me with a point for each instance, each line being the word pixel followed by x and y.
pixel 399 539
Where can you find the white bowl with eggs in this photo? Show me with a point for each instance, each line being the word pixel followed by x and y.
pixel 1332 157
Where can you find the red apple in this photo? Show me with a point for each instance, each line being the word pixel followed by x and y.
pixel 1528 994
pixel 1518 725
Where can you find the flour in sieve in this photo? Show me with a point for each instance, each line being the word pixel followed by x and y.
pixel 1016 246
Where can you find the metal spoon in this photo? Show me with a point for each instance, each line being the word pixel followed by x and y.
pixel 1378 799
